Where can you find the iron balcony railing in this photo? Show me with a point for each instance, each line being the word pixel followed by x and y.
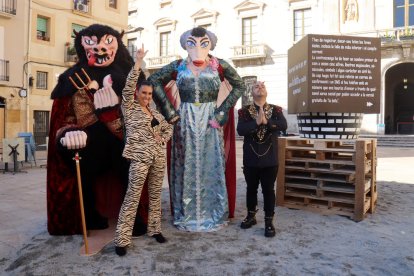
pixel 8 6
pixel 4 70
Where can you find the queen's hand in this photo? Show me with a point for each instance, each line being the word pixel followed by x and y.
pixel 214 124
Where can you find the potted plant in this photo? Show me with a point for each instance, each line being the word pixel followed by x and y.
pixel 388 37
pixel 407 34
pixel 71 53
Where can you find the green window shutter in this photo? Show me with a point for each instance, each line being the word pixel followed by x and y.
pixel 77 28
pixel 42 24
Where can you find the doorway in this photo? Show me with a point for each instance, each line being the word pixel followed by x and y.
pixel 399 99
pixel 40 128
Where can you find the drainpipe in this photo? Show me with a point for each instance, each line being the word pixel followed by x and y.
pixel 29 23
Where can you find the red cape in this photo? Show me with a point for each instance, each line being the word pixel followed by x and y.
pixel 63 209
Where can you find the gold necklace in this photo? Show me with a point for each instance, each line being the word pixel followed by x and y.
pixel 260 155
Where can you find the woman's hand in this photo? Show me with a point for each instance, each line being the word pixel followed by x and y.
pixel 159 139
pixel 139 57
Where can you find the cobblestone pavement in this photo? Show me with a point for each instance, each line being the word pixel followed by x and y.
pixel 305 242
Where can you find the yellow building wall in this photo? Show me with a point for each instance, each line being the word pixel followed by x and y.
pixel 28 54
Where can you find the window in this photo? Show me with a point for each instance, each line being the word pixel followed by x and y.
pixel 77 28
pixel 165 44
pixel 4 70
pixel 81 5
pixel 205 26
pixel 249 31
pixel 132 48
pixel 42 28
pixel 113 4
pixel 40 127
pixel 205 18
pixel 8 7
pixel 403 13
pixel 302 23
pixel 41 80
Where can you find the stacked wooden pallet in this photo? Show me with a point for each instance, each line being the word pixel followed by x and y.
pixel 330 176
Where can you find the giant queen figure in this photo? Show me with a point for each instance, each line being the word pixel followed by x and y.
pixel 202 165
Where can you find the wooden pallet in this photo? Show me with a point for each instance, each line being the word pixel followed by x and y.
pixel 328 176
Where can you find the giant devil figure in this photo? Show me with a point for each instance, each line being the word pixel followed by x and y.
pixel 86 118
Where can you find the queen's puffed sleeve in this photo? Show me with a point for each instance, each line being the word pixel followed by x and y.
pixel 238 87
pixel 160 80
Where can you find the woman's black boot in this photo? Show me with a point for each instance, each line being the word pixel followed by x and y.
pixel 249 221
pixel 269 227
pixel 120 250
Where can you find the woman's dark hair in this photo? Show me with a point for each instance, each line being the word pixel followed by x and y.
pixel 146 83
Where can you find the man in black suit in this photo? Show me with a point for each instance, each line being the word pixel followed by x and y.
pixel 260 123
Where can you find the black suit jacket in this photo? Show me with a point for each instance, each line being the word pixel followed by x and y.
pixel 260 142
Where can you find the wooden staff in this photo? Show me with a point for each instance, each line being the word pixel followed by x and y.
pixel 77 158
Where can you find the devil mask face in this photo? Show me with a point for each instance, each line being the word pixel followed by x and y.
pixel 198 49
pixel 100 53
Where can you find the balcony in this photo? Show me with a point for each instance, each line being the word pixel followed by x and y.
pixel 397 35
pixel 70 54
pixel 7 8
pixel 158 62
pixel 4 70
pixel 254 52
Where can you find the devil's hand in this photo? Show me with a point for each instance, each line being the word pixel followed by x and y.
pixel 105 97
pixel 74 139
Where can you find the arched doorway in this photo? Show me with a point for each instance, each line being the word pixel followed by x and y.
pixel 399 99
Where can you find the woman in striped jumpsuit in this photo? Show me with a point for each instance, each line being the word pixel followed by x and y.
pixel 146 134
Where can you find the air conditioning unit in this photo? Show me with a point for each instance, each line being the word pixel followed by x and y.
pixel 82 7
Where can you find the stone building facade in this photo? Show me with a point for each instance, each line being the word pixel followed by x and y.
pixel 255 36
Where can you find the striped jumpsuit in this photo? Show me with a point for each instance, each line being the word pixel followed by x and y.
pixel 147 159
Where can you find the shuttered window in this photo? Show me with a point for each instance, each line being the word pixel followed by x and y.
pixel 77 28
pixel 42 24
pixel 42 28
